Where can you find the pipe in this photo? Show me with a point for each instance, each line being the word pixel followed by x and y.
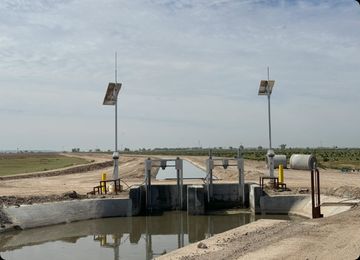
pixel 302 161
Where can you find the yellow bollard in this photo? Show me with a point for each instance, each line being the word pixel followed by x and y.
pixel 103 178
pixel 103 240
pixel 281 173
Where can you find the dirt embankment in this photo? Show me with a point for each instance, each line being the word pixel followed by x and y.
pixel 65 171
pixel 83 178
pixel 48 186
pixel 335 237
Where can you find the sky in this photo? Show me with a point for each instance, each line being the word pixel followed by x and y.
pixel 190 71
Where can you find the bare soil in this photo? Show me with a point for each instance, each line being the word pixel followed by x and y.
pixel 335 237
pixel 131 171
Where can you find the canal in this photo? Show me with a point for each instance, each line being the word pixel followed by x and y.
pixel 138 237
pixel 142 237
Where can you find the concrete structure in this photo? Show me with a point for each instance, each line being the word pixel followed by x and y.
pixel 255 193
pixel 225 195
pixel 301 205
pixel 211 163
pixel 196 200
pixel 302 161
pixel 163 163
pixel 36 215
pixel 278 159
pixel 164 198
pixel 280 204
pixel 137 197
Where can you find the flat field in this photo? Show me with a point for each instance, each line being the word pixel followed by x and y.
pixel 35 162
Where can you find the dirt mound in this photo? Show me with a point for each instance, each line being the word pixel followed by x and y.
pixel 344 192
pixel 70 170
pixel 17 200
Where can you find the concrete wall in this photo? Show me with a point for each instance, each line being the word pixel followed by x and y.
pixel 283 204
pixel 255 193
pixel 196 200
pixel 37 215
pixel 225 195
pixel 137 197
pixel 301 205
pixel 164 197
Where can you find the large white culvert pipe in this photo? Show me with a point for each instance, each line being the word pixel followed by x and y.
pixel 302 161
pixel 278 159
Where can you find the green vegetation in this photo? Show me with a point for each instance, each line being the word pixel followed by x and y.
pixel 35 162
pixel 337 158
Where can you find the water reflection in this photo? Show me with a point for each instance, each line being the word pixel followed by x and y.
pixel 116 238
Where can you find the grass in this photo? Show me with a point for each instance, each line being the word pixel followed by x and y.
pixel 335 158
pixel 35 162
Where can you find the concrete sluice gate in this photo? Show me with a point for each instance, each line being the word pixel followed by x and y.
pixel 194 198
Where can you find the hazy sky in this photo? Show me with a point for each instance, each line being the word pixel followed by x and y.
pixel 190 71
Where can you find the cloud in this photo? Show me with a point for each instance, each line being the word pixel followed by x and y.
pixel 190 71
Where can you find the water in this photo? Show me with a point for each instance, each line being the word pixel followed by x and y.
pixel 189 172
pixel 142 237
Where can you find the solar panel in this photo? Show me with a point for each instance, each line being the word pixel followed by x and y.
pixel 264 85
pixel 112 93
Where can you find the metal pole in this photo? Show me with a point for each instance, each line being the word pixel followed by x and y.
pixel 116 155
pixel 240 164
pixel 208 170
pixel 116 251
pixel 148 166
pixel 182 230
pixel 181 189
pixel 211 178
pixel 207 179
pixel 116 103
pixel 149 190
pixel 178 188
pixel 318 186
pixel 268 95
pixel 312 194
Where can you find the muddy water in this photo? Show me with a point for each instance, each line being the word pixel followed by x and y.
pixel 116 238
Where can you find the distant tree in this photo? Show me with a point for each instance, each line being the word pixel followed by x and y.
pixel 75 150
pixel 126 149
pixel 260 147
pixel 97 150
pixel 282 146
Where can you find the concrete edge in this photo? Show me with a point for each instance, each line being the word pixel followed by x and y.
pixel 301 205
pixel 51 213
